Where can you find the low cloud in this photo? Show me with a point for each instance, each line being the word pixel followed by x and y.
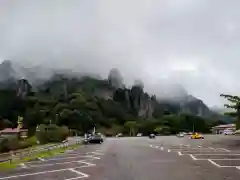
pixel 190 43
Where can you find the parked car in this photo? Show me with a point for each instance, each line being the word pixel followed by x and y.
pixel 228 132
pixel 96 139
pixel 152 136
pixel 197 136
pixel 119 135
pixel 139 134
pixel 180 135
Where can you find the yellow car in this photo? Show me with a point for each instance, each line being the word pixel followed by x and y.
pixel 196 136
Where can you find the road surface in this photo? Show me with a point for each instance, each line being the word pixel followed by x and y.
pixel 139 158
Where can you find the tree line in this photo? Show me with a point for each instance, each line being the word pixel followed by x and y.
pixel 83 103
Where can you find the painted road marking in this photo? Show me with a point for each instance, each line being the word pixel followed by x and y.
pixel 217 156
pixel 23 165
pixel 193 157
pixel 224 149
pixel 96 153
pixel 41 159
pixel 33 174
pixel 70 157
pixel 45 172
pixel 214 163
pixel 42 165
pixel 88 164
pixel 83 175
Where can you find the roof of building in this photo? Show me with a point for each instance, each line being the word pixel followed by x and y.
pixel 12 130
pixel 225 126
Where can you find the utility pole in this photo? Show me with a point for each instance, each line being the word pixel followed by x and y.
pixel 193 127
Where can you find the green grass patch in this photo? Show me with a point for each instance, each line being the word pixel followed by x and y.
pixel 45 154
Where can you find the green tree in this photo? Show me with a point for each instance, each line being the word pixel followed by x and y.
pixel 132 127
pixel 235 105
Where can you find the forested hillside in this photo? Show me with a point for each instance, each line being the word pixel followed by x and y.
pixel 81 102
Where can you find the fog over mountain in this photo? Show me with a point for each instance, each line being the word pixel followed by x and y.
pixel 175 48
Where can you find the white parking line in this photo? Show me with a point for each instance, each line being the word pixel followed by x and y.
pixel 93 157
pixel 224 149
pixel 214 163
pixel 45 172
pixel 88 164
pixel 193 157
pixel 32 174
pixel 41 159
pixel 23 165
pixel 218 154
pixel 42 165
pixel 78 172
pixel 96 153
pixel 70 157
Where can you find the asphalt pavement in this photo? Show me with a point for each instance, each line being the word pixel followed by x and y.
pixel 216 157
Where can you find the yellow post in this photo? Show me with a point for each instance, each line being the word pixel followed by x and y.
pixel 20 122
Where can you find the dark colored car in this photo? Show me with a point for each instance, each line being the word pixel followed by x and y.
pixel 96 139
pixel 152 136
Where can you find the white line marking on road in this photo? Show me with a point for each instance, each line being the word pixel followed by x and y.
pixel 225 159
pixel 218 154
pixel 161 148
pixel 88 163
pixel 42 172
pixel 78 172
pixel 224 149
pixel 193 157
pixel 214 163
pixel 23 165
pixel 157 147
pixel 32 174
pixel 96 153
pixel 179 153
pixel 93 157
pixel 169 150
pixel 42 165
pixel 70 157
pixel 41 159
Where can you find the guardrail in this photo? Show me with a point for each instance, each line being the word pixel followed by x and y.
pixel 15 155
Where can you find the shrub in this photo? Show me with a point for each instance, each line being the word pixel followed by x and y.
pixel 52 133
pixel 4 145
pixel 13 143
pixel 28 142
pixel 41 134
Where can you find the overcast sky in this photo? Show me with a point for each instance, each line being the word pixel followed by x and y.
pixel 195 43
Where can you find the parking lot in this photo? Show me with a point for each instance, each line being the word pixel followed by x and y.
pixel 139 158
pixel 67 166
pixel 217 156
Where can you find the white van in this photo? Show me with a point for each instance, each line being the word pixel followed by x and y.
pixel 228 132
